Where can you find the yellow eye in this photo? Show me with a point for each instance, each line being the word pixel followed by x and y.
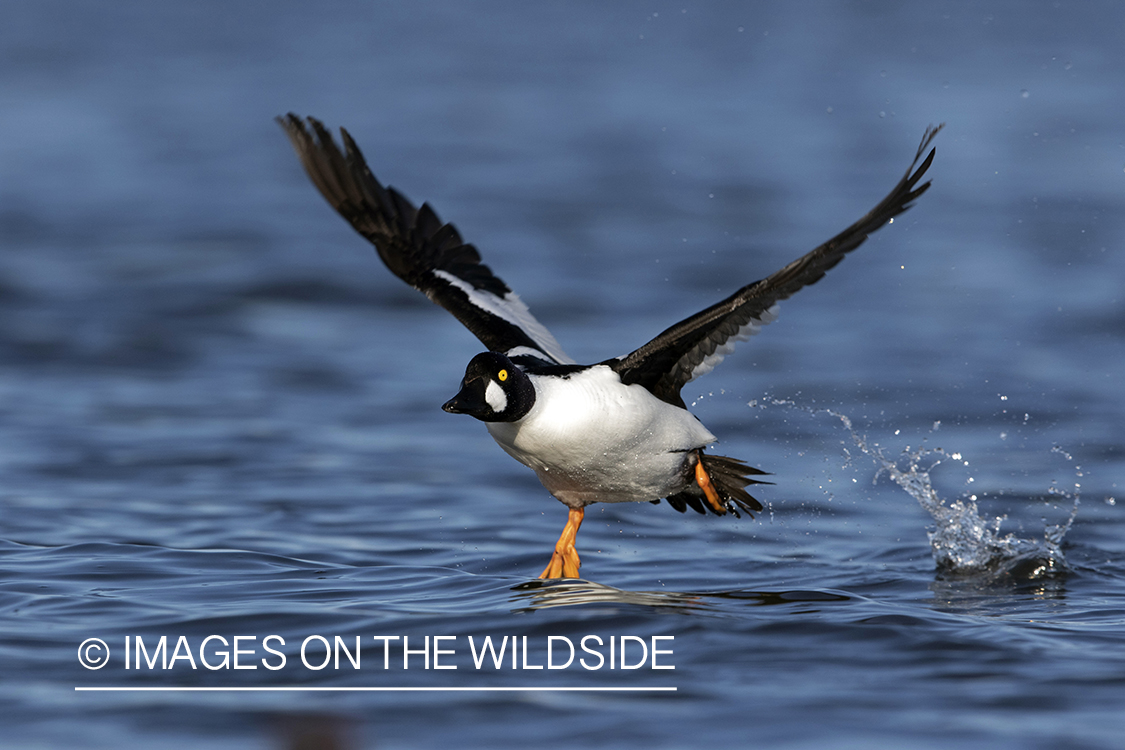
pixel 502 375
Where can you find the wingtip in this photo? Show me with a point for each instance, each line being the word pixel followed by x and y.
pixel 929 135
pixel 927 139
pixel 915 172
pixel 291 122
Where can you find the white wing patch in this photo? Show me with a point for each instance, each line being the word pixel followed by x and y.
pixel 750 329
pixel 524 351
pixel 512 309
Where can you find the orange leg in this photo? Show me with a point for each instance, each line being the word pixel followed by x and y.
pixel 564 562
pixel 709 492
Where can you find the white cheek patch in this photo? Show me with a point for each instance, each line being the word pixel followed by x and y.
pixel 496 397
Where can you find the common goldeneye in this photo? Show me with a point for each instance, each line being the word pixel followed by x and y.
pixel 612 432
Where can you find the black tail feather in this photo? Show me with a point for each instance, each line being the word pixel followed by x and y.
pixel 729 476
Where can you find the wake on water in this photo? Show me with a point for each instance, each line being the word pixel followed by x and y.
pixel 962 541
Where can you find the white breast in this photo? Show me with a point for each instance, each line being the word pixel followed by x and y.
pixel 592 439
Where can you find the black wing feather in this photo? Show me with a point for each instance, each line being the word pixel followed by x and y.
pixel 670 361
pixel 417 246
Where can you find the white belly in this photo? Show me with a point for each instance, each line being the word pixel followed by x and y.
pixel 591 439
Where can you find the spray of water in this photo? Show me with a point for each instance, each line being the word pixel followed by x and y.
pixel 963 540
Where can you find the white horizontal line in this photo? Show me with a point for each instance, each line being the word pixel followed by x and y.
pixel 296 689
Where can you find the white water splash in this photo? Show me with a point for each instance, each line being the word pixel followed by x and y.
pixel 962 541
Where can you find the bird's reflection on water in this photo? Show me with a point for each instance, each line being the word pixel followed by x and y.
pixel 535 595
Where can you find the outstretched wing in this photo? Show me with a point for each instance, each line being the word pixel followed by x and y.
pixel 418 247
pixel 694 346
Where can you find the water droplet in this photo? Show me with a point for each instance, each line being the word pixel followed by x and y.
pixel 882 114
pixel 1024 93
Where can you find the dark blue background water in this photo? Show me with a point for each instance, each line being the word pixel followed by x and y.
pixel 219 413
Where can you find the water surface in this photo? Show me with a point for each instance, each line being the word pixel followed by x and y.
pixel 220 413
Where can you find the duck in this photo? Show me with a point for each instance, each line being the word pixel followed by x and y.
pixel 611 432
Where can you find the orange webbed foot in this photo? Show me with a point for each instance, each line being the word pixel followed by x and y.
pixel 564 561
pixel 709 491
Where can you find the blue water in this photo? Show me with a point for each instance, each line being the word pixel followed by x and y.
pixel 219 413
